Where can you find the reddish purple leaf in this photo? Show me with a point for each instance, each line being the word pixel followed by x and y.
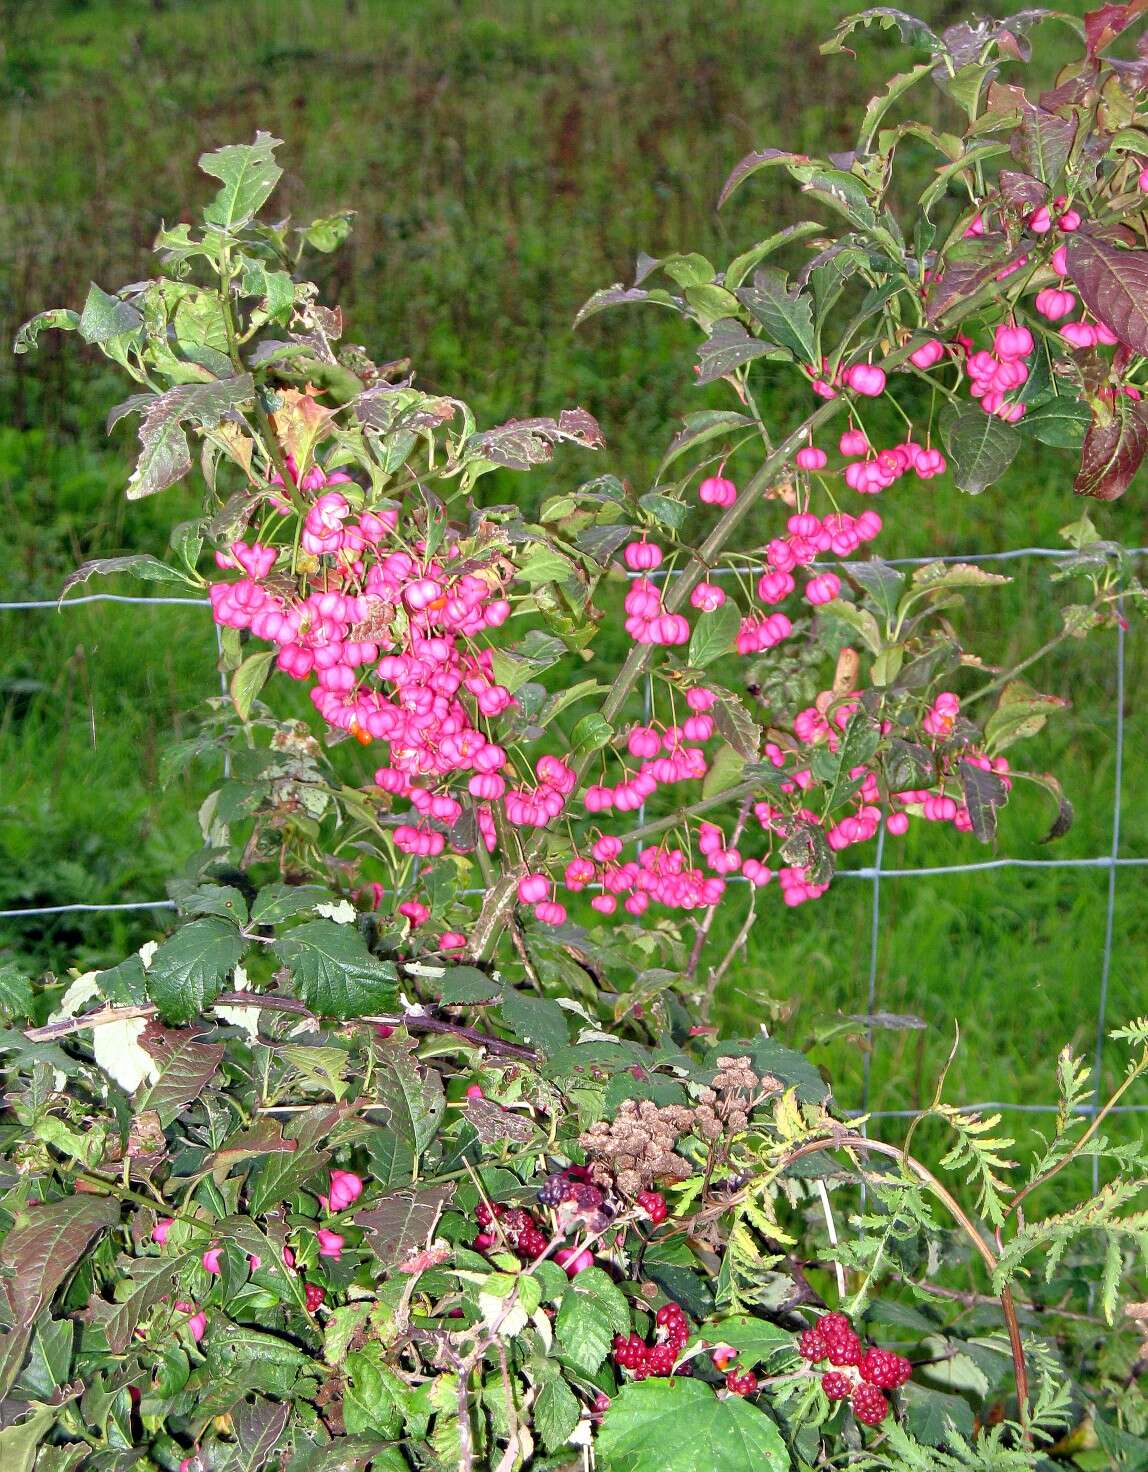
pixel 1114 285
pixel 1112 453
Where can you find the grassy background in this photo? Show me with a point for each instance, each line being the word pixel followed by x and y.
pixel 506 159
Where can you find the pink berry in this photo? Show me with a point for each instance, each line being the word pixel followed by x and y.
pixel 866 379
pixel 642 556
pixel 811 458
pixel 897 824
pixel 928 354
pixel 869 1405
pixel 836 1385
pixel 853 442
pixel 717 490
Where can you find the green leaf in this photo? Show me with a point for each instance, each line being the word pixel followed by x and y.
pixel 105 317
pixel 537 1023
pixel 249 679
pixel 187 972
pixel 164 454
pixel 282 1174
pixel 591 733
pixel 412 1096
pixel 248 172
pixel 584 1333
pixel 147 1280
pixel 929 1414
pixel 980 445
pixel 984 792
pixel 278 902
pixel 698 429
pixel 680 1425
pixel 725 771
pixel 61 319
pixel 138 564
pixel 18 1442
pixel 1021 712
pixel 740 267
pixel 555 1413
pixel 15 993
pixel 785 314
pixel 714 634
pixel 334 972
pixel 756 1340
pixel 735 725
pixel 466 986
pixel 956 575
pixel 398 1224
pixel 328 233
pixel 1061 423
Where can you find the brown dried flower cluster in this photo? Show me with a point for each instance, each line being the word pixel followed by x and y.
pixel 636 1148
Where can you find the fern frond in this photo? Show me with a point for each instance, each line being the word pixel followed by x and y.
pixel 979 1152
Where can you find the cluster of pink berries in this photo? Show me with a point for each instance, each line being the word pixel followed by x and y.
pixel 644 1361
pixel 647 621
pixel 859 1374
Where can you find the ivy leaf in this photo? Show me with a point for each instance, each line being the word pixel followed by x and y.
pixel 980 445
pixel 714 634
pixel 248 173
pixel 186 1067
pixel 681 1426
pixel 1113 284
pixel 1113 452
pixel 187 972
pixel 785 314
pixel 334 972
pixel 984 792
pixel 728 346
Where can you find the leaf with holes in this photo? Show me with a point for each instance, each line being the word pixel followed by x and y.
pixel 186 1067
pixel 399 1224
pixel 334 972
pixel 248 173
pixel 412 1095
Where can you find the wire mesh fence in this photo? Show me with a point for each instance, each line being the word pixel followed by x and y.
pixel 1110 862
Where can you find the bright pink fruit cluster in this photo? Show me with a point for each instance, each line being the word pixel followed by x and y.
pixel 860 1374
pixel 643 1360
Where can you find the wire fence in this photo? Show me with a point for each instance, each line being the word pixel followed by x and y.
pixel 1111 861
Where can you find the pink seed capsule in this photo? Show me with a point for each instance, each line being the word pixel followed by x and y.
pixel 811 458
pixel 717 490
pixel 866 379
pixel 928 354
pixel 853 442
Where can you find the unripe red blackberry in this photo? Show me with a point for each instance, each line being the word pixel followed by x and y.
pixel 629 1351
pixel 883 1368
pixel 831 1324
pixel 531 1243
pixel 869 1405
pixel 836 1385
pixel 744 1384
pixel 660 1359
pixel 313 1295
pixel 485 1213
pixel 811 1346
pixel 653 1203
pixel 601 1402
pixel 670 1313
pixel 844 1347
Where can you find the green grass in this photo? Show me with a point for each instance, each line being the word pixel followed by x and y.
pixel 505 160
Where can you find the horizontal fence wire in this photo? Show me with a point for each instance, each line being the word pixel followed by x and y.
pixel 1110 862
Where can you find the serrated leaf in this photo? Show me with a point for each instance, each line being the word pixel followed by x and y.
pixel 556 1413
pixel 756 1340
pixel 277 902
pixel 248 173
pixel 930 1413
pixel 188 970
pixel 334 972
pixel 412 1095
pixel 680 1425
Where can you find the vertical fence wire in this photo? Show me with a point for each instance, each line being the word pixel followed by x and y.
pixel 1114 855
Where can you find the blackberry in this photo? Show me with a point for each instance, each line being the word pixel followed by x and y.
pixel 869 1405
pixel 744 1384
pixel 884 1369
pixel 531 1243
pixel 555 1189
pixel 811 1346
pixel 314 1295
pixel 584 1196
pixel 485 1213
pixel 835 1385
pixel 660 1360
pixel 653 1203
